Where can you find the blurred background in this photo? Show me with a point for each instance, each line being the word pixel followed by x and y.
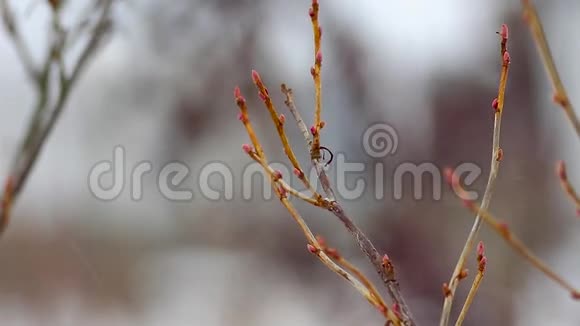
pixel 161 87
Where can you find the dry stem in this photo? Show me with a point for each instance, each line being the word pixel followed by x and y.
pixel 482 261
pixel 366 246
pixel 315 71
pixel 560 95
pixel 361 284
pixel 496 155
pixel 279 121
pixel 512 240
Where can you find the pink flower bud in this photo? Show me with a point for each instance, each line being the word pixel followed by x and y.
pixel 318 58
pixel 256 77
pixel 277 175
pixel 561 170
pixel 247 148
pixel 298 173
pixel 313 130
pixel 506 57
pixel 495 104
pixel 480 249
pixel 238 96
pixel 396 307
pixel 386 260
pixel 311 248
pixel 504 33
pixel 282 118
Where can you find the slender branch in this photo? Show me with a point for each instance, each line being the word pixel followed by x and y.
pixel 315 71
pixel 277 176
pixel 560 95
pixel 496 155
pixel 339 259
pixel 6 204
pixel 482 261
pixel 21 48
pixel 567 186
pixel 313 244
pixel 508 236
pixel 279 120
pixel 364 243
pixel 382 264
pixel 289 101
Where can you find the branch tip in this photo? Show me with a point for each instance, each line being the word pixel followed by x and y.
pixel 247 148
pixel 239 98
pixel 504 32
pixel 561 170
pixel 256 77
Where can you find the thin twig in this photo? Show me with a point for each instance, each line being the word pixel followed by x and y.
pixel 364 243
pixel 560 95
pixel 257 154
pixel 21 47
pixel 482 261
pixel 315 71
pixel 289 101
pixel 496 155
pixel 279 120
pixel 340 260
pixel 512 240
pixel 567 186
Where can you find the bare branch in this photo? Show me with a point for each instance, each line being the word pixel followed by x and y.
pixel 21 48
pixel 482 261
pixel 560 95
pixel 567 186
pixel 510 238
pixel 496 156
